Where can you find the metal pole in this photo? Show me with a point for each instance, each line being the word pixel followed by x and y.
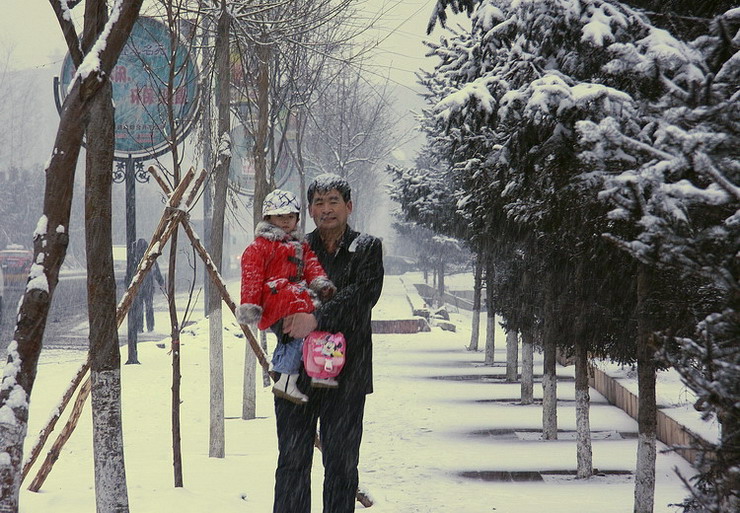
pixel 131 262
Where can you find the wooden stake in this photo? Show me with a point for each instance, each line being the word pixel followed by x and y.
pixel 169 221
pixel 218 281
pixel 46 431
pixel 53 453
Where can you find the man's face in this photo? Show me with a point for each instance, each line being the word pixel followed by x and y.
pixel 329 210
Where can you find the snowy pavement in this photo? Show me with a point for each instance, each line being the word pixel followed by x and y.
pixel 443 433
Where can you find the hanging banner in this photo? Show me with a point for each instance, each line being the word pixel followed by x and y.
pixel 140 94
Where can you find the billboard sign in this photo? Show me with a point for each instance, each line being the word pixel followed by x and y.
pixel 139 82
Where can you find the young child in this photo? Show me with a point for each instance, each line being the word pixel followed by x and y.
pixel 281 276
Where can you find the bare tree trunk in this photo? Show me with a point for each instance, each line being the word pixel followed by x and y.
pixel 249 398
pixel 584 456
pixel 477 286
pixel 206 130
pixel 50 246
pixel 512 355
pixel 217 444
pixel 260 140
pixel 490 316
pixel 441 281
pixel 266 381
pixel 301 167
pixel 217 430
pixel 111 494
pixel 647 409
pixel 549 394
pixel 527 388
pixel 549 381
pixel 176 374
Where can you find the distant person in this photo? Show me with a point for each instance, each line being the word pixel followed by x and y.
pixel 282 276
pixel 354 263
pixel 143 302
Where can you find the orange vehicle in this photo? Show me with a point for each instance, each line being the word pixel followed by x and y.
pixel 15 261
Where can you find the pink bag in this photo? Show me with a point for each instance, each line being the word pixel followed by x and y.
pixel 323 354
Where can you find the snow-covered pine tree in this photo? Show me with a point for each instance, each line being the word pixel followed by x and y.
pixel 679 194
pixel 512 92
pixel 426 198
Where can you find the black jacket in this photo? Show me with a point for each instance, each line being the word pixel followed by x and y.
pixel 357 271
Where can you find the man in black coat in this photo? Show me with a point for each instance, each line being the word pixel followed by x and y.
pixel 354 263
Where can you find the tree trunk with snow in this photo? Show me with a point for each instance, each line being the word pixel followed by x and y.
pixel 512 355
pixel 249 385
pixel 216 440
pixel 249 397
pixel 490 315
pixel 527 388
pixel 51 238
pixel 111 494
pixel 549 394
pixel 584 456
pixel 477 286
pixel 549 383
pixel 266 381
pixel 647 409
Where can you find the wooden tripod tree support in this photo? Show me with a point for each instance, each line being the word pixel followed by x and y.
pixel 166 227
pixel 172 217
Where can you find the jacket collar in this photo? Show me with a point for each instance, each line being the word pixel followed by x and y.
pixel 345 241
pixel 272 232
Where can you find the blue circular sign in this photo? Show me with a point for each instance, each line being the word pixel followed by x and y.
pixel 139 81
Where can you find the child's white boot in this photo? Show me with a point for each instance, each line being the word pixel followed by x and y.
pixel 287 388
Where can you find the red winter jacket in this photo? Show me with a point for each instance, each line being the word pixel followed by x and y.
pixel 280 276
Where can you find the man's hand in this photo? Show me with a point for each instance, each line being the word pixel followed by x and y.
pixel 299 325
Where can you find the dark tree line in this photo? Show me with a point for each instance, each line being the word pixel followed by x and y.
pixel 590 156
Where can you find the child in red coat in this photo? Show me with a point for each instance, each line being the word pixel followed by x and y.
pixel 281 276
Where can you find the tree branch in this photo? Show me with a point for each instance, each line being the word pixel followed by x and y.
pixel 64 18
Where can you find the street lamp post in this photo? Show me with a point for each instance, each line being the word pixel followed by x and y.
pixel 129 171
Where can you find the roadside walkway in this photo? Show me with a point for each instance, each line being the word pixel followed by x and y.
pixel 464 439
pixel 443 433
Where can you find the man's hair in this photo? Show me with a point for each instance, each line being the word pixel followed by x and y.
pixel 326 182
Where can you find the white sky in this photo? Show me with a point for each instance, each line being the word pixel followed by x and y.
pixel 29 30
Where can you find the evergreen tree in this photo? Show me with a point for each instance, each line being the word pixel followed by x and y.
pixel 510 96
pixel 677 197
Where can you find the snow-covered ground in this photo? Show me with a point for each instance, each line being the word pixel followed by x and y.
pixel 673 397
pixel 438 423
